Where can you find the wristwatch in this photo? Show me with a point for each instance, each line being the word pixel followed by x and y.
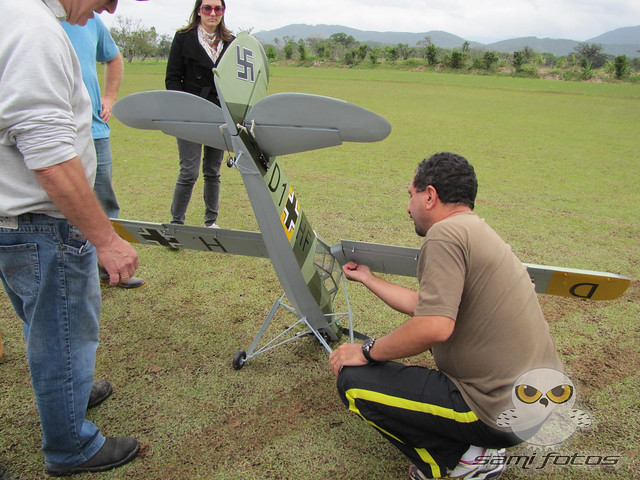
pixel 366 347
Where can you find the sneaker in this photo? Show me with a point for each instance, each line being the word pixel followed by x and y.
pixel 484 470
pixel 100 391
pixel 416 474
pixel 213 225
pixel 115 452
pixel 133 282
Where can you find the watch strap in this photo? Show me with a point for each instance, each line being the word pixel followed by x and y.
pixel 366 347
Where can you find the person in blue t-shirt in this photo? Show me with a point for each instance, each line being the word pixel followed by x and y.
pixel 93 43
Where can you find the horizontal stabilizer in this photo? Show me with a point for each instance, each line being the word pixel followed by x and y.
pixel 565 282
pixel 288 123
pixel 175 113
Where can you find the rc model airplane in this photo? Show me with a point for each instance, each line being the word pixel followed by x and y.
pixel 256 129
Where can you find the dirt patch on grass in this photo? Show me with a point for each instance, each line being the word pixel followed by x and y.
pixel 604 365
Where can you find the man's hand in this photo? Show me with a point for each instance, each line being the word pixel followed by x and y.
pixel 119 259
pixel 355 272
pixel 346 355
pixel 107 105
pixel 113 72
pixel 67 186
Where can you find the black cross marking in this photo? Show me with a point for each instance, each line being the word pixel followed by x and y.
pixel 157 238
pixel 244 56
pixel 291 212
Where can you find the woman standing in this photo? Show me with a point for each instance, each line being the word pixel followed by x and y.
pixel 195 51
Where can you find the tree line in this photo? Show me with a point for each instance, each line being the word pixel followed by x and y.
pixel 586 62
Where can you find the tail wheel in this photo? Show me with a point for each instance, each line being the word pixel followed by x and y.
pixel 239 359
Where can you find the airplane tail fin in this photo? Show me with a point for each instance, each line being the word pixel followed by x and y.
pixel 287 123
pixel 242 78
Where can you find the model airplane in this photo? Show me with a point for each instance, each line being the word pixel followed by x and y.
pixel 257 128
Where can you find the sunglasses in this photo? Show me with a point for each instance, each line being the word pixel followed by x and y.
pixel 209 10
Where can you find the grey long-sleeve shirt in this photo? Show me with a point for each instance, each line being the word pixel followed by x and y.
pixel 45 110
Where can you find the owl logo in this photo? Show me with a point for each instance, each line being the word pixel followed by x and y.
pixel 543 415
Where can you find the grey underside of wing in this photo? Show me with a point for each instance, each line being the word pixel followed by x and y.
pixel 281 124
pixel 217 240
pixel 175 113
pixel 295 122
pixel 404 261
pixel 379 258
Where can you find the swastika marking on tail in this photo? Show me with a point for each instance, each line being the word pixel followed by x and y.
pixel 244 57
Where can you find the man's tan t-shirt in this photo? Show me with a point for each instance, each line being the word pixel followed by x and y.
pixel 468 273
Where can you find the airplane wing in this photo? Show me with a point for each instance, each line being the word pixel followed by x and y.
pixel 218 240
pixel 379 258
pixel 387 259
pixel 288 123
pixel 568 282
pixel 565 282
pixel 175 113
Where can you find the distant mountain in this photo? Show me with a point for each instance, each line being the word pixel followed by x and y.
pixel 622 41
pixel 621 36
pixel 302 31
pixel 541 45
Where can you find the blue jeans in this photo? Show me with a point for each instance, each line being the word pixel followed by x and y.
pixel 189 153
pixel 49 272
pixel 103 185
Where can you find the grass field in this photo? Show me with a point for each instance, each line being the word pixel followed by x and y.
pixel 557 166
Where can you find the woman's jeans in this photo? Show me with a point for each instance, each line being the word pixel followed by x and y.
pixel 49 272
pixel 189 153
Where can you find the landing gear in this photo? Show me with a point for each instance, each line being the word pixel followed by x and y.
pixel 239 359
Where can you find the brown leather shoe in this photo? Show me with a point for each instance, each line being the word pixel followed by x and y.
pixel 100 391
pixel 115 452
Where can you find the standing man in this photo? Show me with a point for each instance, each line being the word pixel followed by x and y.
pixel 476 310
pixel 53 230
pixel 93 43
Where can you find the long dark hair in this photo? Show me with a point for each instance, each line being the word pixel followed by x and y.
pixel 222 32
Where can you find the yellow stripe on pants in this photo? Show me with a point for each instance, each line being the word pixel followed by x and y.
pixel 402 403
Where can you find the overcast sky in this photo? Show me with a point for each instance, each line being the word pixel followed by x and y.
pixel 478 20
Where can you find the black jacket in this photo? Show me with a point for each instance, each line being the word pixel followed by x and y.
pixel 189 68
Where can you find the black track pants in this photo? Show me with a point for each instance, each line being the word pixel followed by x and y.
pixel 420 411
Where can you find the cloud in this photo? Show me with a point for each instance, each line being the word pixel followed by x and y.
pixel 490 19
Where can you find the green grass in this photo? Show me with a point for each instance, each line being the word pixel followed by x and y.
pixel 557 164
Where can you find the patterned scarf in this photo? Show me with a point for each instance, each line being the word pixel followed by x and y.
pixel 210 43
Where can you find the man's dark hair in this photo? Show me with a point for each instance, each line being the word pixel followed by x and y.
pixel 451 175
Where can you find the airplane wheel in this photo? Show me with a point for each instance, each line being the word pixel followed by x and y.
pixel 230 162
pixel 239 359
